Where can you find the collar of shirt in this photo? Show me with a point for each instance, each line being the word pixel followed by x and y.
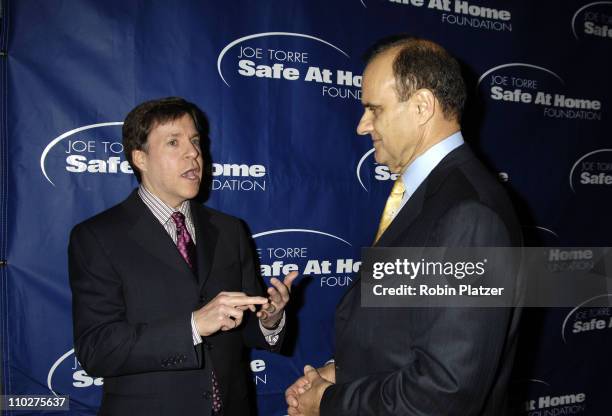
pixel 163 212
pixel 421 167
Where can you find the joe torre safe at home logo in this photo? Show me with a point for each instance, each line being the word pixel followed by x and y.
pixel 537 87
pixel 67 377
pixel 593 21
pixel 537 397
pixel 315 254
pixel 93 149
pixel 477 16
pixel 592 172
pixel 96 150
pixel 292 59
pixel 587 320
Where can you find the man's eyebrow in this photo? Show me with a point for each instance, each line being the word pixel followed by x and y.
pixel 177 134
pixel 370 105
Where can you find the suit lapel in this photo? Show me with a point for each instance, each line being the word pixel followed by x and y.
pixel 206 241
pixel 149 234
pixel 408 214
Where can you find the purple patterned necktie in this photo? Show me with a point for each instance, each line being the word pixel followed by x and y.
pixel 185 246
pixel 184 242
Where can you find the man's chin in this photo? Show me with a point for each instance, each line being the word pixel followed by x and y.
pixel 191 192
pixel 378 158
pixel 382 161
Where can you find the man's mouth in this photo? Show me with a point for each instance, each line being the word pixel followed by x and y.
pixel 191 174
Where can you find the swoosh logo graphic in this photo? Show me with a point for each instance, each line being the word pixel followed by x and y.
pixel 299 230
pixel 547 230
pixel 54 367
pixel 535 380
pixel 537 227
pixel 363 158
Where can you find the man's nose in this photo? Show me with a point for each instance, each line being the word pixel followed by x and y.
pixel 193 150
pixel 365 125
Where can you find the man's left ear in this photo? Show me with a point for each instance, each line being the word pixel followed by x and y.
pixel 139 158
pixel 425 103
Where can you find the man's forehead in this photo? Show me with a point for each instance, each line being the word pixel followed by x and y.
pixel 383 61
pixel 174 123
pixel 378 81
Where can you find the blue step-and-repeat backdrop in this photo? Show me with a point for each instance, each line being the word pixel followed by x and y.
pixel 280 83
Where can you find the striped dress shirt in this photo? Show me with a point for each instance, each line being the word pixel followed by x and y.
pixel 163 213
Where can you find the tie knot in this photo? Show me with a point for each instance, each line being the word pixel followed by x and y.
pixel 178 218
pixel 398 187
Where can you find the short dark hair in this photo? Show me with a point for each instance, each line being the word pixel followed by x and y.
pixel 421 63
pixel 145 116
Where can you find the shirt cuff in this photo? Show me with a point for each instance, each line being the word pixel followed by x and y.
pixel 197 339
pixel 272 335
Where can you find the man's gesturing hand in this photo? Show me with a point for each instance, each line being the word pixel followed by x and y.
pixel 225 312
pixel 272 312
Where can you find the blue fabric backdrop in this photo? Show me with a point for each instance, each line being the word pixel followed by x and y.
pixel 279 80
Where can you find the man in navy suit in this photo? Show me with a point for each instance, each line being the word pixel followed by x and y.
pixel 431 360
pixel 164 289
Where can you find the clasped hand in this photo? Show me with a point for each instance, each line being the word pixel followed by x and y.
pixel 304 396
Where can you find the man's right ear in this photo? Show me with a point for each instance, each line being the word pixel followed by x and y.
pixel 139 159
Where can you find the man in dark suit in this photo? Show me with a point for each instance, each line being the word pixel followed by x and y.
pixel 165 289
pixel 434 360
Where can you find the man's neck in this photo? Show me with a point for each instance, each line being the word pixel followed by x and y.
pixel 434 137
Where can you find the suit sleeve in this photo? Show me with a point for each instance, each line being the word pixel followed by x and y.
pixel 453 362
pixel 106 344
pixel 252 285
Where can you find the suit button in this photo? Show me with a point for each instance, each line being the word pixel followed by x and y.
pixel 207 395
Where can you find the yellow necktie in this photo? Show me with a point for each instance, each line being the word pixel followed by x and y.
pixel 393 203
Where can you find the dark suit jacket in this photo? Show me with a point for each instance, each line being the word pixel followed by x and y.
pixel 431 361
pixel 133 295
